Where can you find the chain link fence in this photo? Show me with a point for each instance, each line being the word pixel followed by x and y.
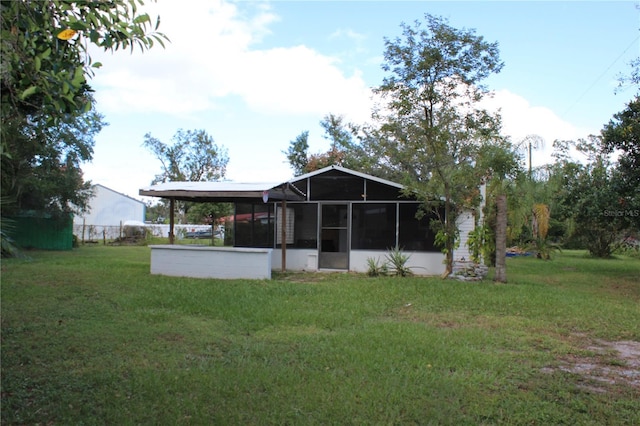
pixel 95 233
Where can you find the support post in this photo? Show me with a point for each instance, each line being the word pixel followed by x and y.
pixel 283 231
pixel 172 206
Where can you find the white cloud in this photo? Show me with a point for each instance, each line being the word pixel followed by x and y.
pixel 520 119
pixel 348 33
pixel 212 54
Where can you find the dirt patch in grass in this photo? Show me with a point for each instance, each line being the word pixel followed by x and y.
pixel 605 363
pixel 307 277
pixel 171 337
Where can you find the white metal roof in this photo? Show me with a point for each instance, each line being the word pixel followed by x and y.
pixel 232 191
pixel 221 191
pixel 210 186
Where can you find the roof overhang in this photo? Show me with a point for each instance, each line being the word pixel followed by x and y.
pixel 223 191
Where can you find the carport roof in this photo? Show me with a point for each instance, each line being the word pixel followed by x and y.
pixel 222 191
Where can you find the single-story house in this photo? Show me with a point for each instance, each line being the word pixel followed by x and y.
pixel 108 212
pixel 336 219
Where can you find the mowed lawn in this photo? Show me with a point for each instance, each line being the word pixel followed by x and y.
pixel 90 337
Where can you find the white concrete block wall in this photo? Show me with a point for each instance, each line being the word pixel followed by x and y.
pixel 421 263
pixel 307 260
pixel 297 259
pixel 211 262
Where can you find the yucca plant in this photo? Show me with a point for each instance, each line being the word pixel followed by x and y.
pixel 397 261
pixel 375 268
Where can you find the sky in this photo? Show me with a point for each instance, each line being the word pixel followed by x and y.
pixel 256 74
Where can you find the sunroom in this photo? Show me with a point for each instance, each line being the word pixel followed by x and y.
pixel 336 219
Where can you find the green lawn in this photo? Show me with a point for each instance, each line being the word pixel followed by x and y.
pixel 90 337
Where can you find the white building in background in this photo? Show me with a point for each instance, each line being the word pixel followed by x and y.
pixel 108 212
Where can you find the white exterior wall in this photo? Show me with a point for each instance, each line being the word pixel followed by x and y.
pixel 211 262
pixel 466 224
pixel 421 263
pixel 108 211
pixel 297 259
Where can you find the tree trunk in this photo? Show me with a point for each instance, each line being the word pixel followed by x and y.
pixel 450 240
pixel 501 239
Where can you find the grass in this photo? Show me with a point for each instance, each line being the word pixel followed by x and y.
pixel 90 337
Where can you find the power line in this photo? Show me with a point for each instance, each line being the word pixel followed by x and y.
pixel 601 75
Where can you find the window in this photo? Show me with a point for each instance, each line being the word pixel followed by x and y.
pixel 373 226
pixel 414 234
pixel 303 219
pixel 253 225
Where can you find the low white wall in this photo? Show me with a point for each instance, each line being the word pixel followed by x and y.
pixel 421 263
pixel 211 262
pixel 297 259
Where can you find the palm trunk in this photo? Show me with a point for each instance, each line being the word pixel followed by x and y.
pixel 501 239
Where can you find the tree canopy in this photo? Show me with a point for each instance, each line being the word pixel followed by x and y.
pixel 45 57
pixel 192 156
pixel 47 117
pixel 432 125
pixel 345 149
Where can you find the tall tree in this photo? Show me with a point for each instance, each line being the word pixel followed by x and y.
pixel 501 238
pixel 45 58
pixel 528 144
pixel 433 124
pixel 43 172
pixel 622 133
pixel 500 163
pixel 192 156
pixel 47 120
pixel 298 153
pixel 346 148
pixel 340 137
pixel 592 198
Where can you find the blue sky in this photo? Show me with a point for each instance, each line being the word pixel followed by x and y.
pixel 254 75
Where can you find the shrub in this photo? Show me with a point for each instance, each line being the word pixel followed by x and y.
pixel 375 268
pixel 398 262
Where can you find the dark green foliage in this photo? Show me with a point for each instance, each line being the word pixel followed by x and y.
pixel 41 169
pixel 591 198
pixel 433 126
pixel 297 154
pixel 622 133
pixel 8 247
pixel 206 212
pixel 543 248
pixel 348 148
pixel 47 121
pixel 45 75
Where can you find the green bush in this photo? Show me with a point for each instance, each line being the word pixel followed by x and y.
pixel 375 268
pixel 397 261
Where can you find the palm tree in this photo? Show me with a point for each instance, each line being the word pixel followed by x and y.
pixel 529 143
